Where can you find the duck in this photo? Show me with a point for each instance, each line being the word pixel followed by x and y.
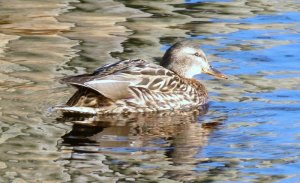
pixel 140 86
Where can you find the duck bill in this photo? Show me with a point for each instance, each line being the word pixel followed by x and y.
pixel 214 72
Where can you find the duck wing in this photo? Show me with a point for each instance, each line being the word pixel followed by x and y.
pixel 121 79
pixel 103 71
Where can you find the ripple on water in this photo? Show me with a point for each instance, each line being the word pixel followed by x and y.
pixel 249 133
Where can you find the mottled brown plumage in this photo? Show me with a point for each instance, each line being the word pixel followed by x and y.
pixel 139 86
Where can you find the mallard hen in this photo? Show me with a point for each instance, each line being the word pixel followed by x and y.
pixel 140 86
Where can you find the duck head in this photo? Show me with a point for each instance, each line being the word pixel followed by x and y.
pixel 186 59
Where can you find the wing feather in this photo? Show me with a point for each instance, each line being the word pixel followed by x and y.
pixel 112 89
pixel 117 81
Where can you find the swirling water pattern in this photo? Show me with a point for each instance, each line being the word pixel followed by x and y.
pixel 249 133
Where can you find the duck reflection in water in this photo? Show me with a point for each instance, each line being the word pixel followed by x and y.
pixel 172 139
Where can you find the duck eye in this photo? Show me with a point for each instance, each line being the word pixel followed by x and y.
pixel 197 55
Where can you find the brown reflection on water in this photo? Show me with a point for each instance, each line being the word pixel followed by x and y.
pixel 30 51
pixel 98 31
pixel 36 41
pixel 128 144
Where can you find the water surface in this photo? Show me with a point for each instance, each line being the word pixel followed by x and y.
pixel 249 133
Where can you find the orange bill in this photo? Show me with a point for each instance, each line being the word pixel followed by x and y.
pixel 216 73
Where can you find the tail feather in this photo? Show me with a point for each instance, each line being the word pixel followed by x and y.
pixel 77 110
pixel 86 97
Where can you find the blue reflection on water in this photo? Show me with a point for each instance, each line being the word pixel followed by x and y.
pixel 262 133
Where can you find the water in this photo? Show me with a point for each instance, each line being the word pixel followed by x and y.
pixel 249 133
